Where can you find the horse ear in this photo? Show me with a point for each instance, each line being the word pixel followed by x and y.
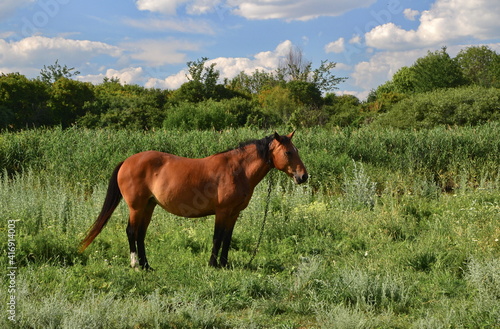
pixel 277 137
pixel 290 135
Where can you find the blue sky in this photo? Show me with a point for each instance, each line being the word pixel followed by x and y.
pixel 148 42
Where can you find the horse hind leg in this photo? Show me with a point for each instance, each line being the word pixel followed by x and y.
pixel 132 245
pixel 136 232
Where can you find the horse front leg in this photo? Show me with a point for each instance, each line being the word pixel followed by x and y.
pixel 223 232
pixel 226 243
pixel 217 242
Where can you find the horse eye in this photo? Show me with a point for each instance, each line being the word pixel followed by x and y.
pixel 288 153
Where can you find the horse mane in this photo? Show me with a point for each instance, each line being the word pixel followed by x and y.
pixel 261 144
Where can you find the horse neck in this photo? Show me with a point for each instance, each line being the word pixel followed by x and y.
pixel 254 166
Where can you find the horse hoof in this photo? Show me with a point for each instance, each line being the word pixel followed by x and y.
pixel 147 268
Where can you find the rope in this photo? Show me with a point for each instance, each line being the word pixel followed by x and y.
pixel 266 209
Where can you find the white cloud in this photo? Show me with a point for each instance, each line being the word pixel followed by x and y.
pixel 160 52
pixel 171 82
pixel 229 67
pixel 410 14
pixel 356 39
pixel 337 46
pixel 37 51
pixel 382 66
pixel 129 75
pixel 167 7
pixel 445 21
pixel 302 10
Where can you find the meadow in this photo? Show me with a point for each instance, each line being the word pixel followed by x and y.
pixel 395 229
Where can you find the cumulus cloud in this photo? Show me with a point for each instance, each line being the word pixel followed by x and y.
pixel 37 51
pixel 410 13
pixel 445 21
pixel 171 82
pixel 382 66
pixel 129 75
pixel 337 46
pixel 355 40
pixel 229 67
pixel 258 9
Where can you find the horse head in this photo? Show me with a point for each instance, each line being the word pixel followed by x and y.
pixel 285 157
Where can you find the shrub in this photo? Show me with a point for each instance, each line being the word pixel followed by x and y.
pixel 359 190
pixel 459 106
pixel 201 116
pixel 209 114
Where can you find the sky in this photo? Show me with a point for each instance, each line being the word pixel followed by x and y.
pixel 149 42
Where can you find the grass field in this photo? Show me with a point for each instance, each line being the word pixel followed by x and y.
pixel 396 229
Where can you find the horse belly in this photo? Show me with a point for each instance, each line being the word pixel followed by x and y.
pixel 187 200
pixel 188 207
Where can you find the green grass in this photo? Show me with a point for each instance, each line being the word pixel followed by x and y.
pixel 382 246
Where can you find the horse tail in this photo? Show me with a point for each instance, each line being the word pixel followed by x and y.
pixel 113 198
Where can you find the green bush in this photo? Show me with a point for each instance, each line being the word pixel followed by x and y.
pixel 209 114
pixel 459 106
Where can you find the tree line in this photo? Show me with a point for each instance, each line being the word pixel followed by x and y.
pixel 436 89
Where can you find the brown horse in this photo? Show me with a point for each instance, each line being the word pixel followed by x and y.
pixel 221 184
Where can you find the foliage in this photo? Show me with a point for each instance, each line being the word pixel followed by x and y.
pixel 413 259
pixel 459 106
pixel 22 102
pixel 278 104
pixel 436 70
pixel 202 84
pixel 124 106
pixel 67 99
pixel 305 93
pixel 295 68
pixel 345 111
pixel 294 95
pixel 54 72
pixel 209 114
pixel 480 66
pixel 441 155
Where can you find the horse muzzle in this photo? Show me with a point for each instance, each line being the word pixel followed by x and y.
pixel 300 178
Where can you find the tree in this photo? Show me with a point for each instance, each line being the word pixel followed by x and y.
pixel 254 83
pixel 205 75
pixel 52 73
pixel 436 70
pixel 22 101
pixel 305 93
pixel 67 100
pixel 295 68
pixel 324 79
pixel 480 65
pixel 203 84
